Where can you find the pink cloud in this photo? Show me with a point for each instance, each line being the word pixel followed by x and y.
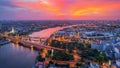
pixel 68 9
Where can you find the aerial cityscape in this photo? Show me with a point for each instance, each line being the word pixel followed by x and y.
pixel 60 34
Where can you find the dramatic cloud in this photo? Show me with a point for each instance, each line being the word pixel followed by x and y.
pixel 60 9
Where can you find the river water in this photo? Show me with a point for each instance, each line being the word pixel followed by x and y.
pixel 46 33
pixel 15 56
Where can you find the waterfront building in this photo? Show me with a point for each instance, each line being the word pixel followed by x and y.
pixel 118 63
pixel 99 45
pixel 12 31
pixel 71 34
pixel 93 65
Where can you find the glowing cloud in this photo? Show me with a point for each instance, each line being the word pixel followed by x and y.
pixel 64 9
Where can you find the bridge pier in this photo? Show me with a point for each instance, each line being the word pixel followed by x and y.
pixel 32 48
pixel 39 39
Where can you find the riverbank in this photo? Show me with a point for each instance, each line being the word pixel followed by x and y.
pixel 4 41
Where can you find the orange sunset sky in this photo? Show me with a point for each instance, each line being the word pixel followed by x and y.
pixel 59 9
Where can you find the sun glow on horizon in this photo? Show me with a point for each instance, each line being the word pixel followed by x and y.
pixel 63 9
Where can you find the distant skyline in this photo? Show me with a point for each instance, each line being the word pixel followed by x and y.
pixel 59 9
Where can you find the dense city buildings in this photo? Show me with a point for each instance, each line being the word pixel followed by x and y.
pixel 59 33
pixel 66 44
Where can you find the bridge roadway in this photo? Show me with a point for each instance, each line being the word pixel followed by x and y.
pixel 37 46
pixel 29 44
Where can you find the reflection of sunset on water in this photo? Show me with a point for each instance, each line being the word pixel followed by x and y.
pixel 13 54
pixel 21 47
pixel 46 33
pixel 13 46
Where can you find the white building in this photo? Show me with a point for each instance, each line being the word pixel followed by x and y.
pixel 92 65
pixel 99 45
pixel 72 34
pixel 118 63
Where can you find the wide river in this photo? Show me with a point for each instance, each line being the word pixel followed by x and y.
pixel 16 56
pixel 47 32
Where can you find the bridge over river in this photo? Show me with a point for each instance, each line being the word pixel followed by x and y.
pixel 41 34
